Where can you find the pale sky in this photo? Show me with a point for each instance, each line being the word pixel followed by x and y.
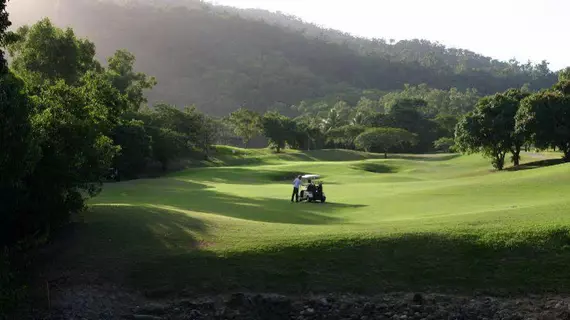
pixel 502 29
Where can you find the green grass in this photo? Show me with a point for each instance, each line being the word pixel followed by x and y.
pixel 435 222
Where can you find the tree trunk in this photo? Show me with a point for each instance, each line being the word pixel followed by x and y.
pixel 516 156
pixel 385 155
pixel 567 155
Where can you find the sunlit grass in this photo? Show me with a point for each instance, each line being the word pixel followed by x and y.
pixel 406 223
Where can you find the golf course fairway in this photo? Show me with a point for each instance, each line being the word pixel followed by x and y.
pixel 411 222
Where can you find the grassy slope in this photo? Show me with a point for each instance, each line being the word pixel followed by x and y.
pixel 408 223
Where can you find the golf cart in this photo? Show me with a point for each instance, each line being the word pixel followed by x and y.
pixel 312 192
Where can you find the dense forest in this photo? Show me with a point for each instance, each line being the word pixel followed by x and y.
pixel 220 58
pixel 76 113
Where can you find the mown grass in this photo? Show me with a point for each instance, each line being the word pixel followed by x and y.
pixel 441 222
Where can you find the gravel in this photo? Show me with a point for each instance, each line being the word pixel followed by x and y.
pixel 82 303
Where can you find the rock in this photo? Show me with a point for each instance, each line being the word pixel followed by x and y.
pixel 418 298
pixel 154 309
pixel 145 317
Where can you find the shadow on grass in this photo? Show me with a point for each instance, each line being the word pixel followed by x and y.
pixel 375 167
pixel 426 157
pixel 414 262
pixel 191 196
pixel 242 176
pixel 537 164
pixel 160 252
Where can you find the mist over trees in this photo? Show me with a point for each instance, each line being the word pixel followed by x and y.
pixel 221 58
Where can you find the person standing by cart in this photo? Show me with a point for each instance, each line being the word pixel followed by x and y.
pixel 296 186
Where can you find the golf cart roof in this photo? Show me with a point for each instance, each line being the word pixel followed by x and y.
pixel 310 176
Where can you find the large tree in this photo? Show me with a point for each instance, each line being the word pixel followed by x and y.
pixel 132 84
pixel 246 124
pixel 278 129
pixel 490 128
pixel 384 139
pixel 135 144
pixel 44 52
pixel 4 25
pixel 544 117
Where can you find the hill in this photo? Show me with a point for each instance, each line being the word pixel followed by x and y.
pixel 414 223
pixel 220 58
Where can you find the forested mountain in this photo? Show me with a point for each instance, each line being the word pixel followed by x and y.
pixel 221 58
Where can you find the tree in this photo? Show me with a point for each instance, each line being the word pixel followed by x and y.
pixel 510 108
pixel 121 74
pixel 404 114
pixel 167 145
pixel 345 136
pixel 444 144
pixel 4 25
pixel 19 154
pixel 135 151
pixel 246 124
pixel 384 139
pixel 564 74
pixel 490 128
pixel 278 129
pixel 75 154
pixel 44 52
pixel 544 118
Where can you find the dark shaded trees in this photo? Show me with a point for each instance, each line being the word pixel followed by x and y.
pixel 279 130
pixel 384 139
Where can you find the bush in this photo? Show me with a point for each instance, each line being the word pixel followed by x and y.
pixel 444 145
pixel 384 139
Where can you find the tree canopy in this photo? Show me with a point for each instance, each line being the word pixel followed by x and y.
pixel 221 58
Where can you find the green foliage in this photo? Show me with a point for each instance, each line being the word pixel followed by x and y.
pixel 135 146
pixel 19 154
pixel 121 74
pixel 344 137
pixel 445 144
pixel 278 129
pixel 384 139
pixel 405 114
pixel 490 129
pixel 76 154
pixel 4 25
pixel 167 145
pixel 246 124
pixel 564 74
pixel 544 118
pixel 44 52
pixel 220 58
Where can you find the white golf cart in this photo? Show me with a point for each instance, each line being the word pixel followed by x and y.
pixel 312 189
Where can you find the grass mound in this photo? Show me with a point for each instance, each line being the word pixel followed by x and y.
pixel 376 167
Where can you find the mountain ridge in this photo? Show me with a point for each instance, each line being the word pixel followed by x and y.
pixel 221 58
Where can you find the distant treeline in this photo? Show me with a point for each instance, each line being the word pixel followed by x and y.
pixel 221 58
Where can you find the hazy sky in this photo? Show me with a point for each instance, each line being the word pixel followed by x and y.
pixel 502 29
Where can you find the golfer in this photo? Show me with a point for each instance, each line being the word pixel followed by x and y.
pixel 296 186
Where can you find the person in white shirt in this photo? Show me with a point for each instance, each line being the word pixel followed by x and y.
pixel 296 186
